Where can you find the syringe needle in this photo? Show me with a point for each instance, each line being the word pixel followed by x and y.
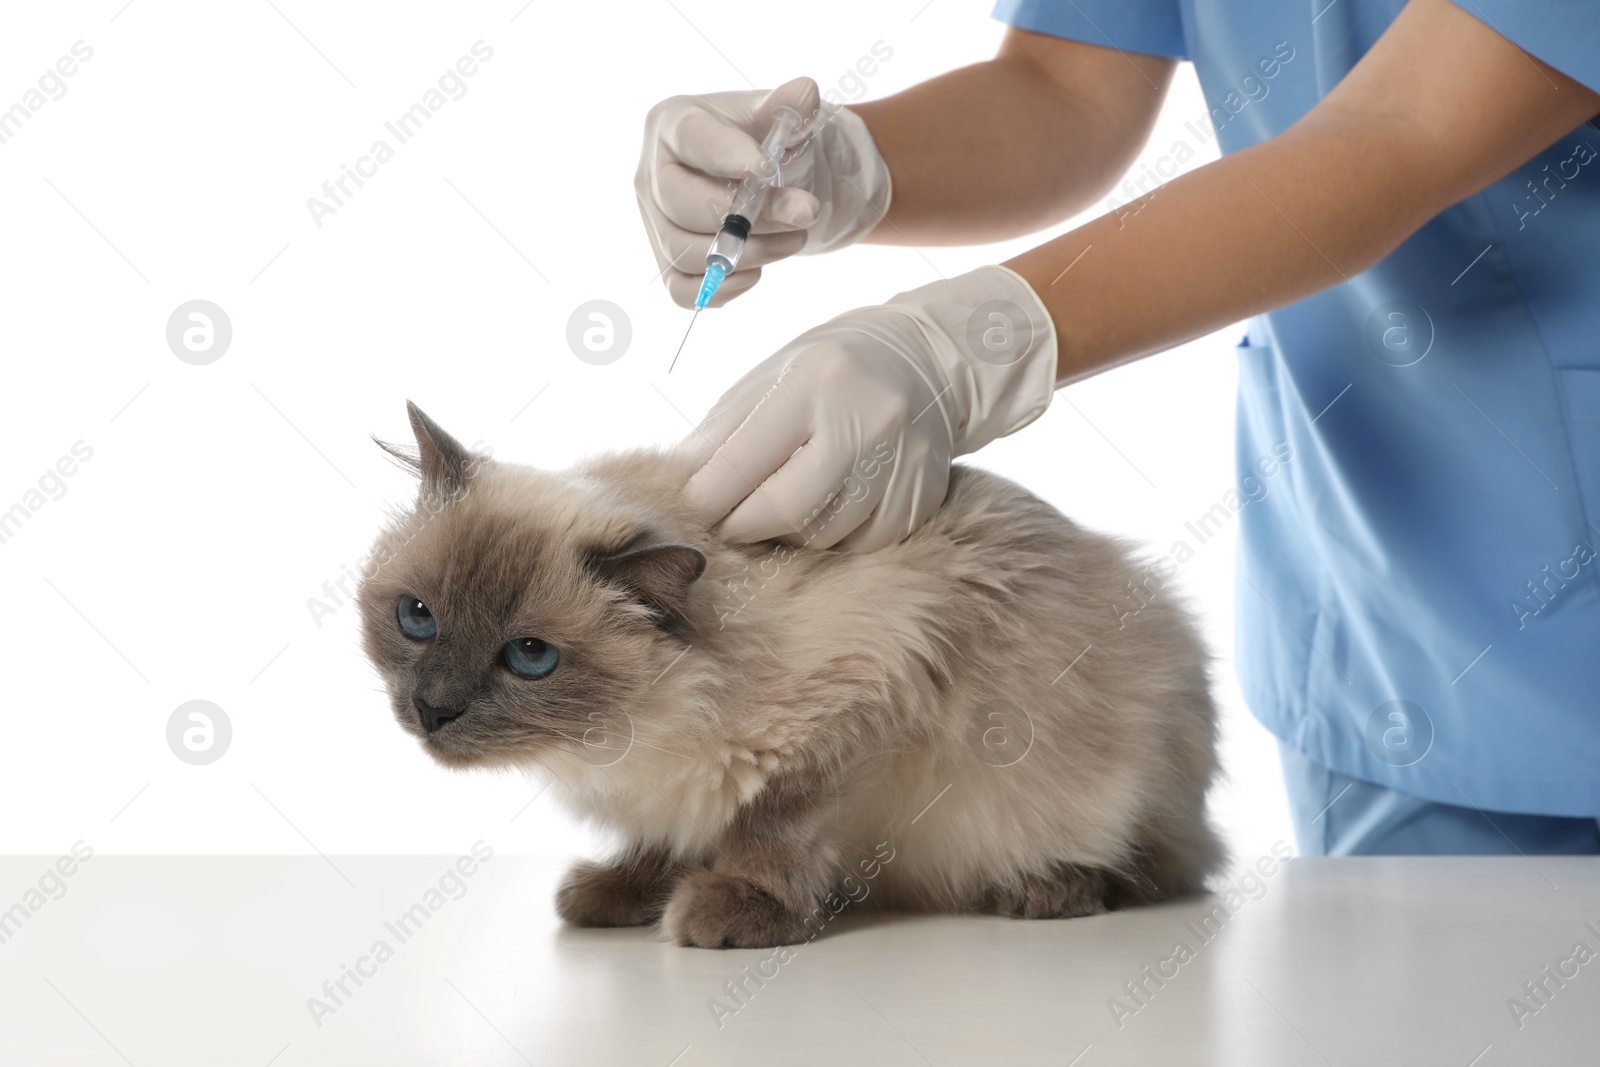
pixel 683 342
pixel 728 245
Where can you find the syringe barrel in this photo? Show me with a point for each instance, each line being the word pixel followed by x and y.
pixel 748 200
pixel 728 245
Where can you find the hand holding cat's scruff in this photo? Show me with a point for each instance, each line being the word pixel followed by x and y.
pixel 964 721
pixel 935 373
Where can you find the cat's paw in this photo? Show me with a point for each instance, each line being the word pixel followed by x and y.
pixel 594 894
pixel 1067 891
pixel 712 909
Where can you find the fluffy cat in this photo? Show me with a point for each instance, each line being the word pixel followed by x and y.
pixel 982 718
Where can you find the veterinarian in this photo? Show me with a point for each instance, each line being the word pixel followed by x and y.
pixel 1407 211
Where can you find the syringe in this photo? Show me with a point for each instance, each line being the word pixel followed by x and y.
pixel 728 245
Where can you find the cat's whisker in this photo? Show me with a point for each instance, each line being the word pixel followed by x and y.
pixel 658 748
pixel 634 740
pixel 581 743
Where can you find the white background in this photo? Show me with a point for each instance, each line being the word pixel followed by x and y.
pixel 179 562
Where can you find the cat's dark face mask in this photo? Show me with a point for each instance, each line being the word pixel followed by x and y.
pixel 507 619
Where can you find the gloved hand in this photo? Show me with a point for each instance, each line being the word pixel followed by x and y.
pixel 835 187
pixel 846 435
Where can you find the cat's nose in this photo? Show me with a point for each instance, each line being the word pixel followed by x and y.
pixel 432 717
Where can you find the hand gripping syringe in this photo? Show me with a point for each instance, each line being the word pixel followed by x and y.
pixel 726 248
pixel 788 131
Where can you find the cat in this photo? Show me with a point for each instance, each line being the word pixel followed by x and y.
pixel 980 718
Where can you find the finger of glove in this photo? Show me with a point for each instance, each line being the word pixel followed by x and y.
pixel 853 509
pixel 698 203
pixel 776 424
pixel 709 143
pixel 682 252
pixel 683 288
pixel 725 416
pixel 800 94
pixel 872 533
pixel 787 503
pixel 687 251
pixel 907 503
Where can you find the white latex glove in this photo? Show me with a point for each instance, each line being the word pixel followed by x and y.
pixel 846 435
pixel 835 187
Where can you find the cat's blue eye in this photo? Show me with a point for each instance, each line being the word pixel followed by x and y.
pixel 531 657
pixel 416 621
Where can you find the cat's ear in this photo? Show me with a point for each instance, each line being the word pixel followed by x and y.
pixel 443 463
pixel 657 571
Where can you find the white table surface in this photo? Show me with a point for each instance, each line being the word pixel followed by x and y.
pixel 175 960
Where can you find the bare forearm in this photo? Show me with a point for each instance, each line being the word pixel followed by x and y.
pixel 1012 145
pixel 1253 231
pixel 1438 109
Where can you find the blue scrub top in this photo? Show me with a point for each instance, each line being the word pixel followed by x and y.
pixel 1418 586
